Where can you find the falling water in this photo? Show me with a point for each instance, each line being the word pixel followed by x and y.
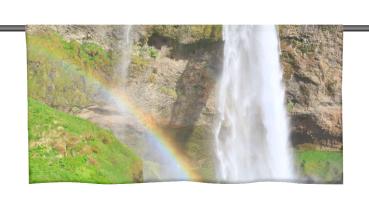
pixel 251 135
pixel 157 166
pixel 126 48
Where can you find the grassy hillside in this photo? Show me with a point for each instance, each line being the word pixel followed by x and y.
pixel 321 166
pixel 58 70
pixel 66 148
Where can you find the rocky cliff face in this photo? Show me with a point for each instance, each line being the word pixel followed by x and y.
pixel 312 64
pixel 176 84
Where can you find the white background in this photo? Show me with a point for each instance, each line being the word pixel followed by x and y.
pixel 182 199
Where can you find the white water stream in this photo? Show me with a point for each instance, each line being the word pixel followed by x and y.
pixel 252 133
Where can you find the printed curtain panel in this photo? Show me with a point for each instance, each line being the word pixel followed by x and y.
pixel 207 103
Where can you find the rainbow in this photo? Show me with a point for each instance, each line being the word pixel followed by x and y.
pixel 165 144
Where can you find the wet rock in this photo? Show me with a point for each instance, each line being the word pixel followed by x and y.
pixel 312 63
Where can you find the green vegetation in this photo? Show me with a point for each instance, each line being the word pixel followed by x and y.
pixel 58 70
pixel 141 57
pixel 153 52
pixel 145 51
pixel 199 149
pixel 189 33
pixel 168 91
pixel 329 28
pixel 67 148
pixel 303 45
pixel 90 57
pixel 196 142
pixel 290 106
pixel 321 166
pixel 139 64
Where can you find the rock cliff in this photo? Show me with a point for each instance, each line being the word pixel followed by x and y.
pixel 312 63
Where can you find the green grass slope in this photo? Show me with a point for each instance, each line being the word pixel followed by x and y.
pixel 65 148
pixel 321 166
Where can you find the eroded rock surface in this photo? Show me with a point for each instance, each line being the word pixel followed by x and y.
pixel 312 64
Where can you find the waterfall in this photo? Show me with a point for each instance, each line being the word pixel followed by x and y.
pixel 126 48
pixel 252 133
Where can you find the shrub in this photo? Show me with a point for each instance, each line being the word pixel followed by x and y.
pixel 168 91
pixel 153 52
pixel 290 106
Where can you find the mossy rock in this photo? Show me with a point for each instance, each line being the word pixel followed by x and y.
pixel 196 142
pixel 187 34
pixel 63 73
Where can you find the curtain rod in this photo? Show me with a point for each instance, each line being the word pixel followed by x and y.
pixel 346 28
